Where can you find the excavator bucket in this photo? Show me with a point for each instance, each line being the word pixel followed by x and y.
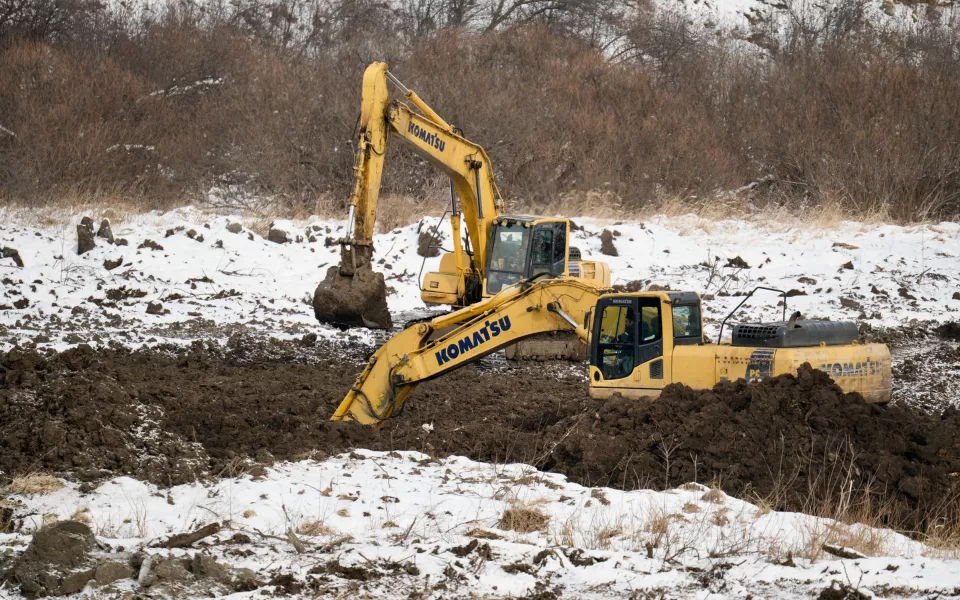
pixel 358 300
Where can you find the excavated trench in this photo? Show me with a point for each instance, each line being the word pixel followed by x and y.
pixel 172 415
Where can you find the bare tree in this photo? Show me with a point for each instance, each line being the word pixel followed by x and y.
pixel 45 19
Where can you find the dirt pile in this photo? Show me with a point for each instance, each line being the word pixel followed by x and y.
pixel 85 241
pixel 358 301
pixel 169 417
pixel 425 245
pixel 950 331
pixel 77 412
pixel 63 558
pixel 798 441
pixel 794 441
pixel 57 562
pixel 607 246
pixel 160 416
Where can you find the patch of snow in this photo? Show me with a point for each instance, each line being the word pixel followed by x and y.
pixel 367 509
pixel 209 279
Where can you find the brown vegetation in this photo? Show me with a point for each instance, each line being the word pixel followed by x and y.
pixel 259 101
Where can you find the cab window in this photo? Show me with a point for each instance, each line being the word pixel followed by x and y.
pixel 542 250
pixel 559 246
pixel 549 249
pixel 650 329
pixel 616 342
pixel 508 256
pixel 686 321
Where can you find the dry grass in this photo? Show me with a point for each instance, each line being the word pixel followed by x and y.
pixel 714 495
pixel 867 540
pixel 35 483
pixel 523 519
pixel 397 210
pixel 943 539
pixel 316 528
pixel 825 129
pixel 82 515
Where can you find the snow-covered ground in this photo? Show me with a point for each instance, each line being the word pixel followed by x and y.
pixel 213 279
pixel 374 524
pixel 402 525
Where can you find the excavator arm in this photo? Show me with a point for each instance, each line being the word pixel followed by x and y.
pixel 430 349
pixel 437 142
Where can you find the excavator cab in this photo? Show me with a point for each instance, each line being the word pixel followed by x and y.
pixel 524 247
pixel 634 339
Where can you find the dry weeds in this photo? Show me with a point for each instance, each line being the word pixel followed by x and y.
pixel 523 519
pixel 35 483
pixel 316 528
pixel 711 130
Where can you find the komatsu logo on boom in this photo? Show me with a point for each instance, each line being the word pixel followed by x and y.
pixel 474 340
pixel 431 139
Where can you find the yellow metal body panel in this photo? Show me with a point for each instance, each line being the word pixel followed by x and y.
pixel 862 368
pixel 694 367
pixel 443 286
pixel 595 270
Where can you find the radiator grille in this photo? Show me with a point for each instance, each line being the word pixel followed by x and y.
pixel 756 332
pixel 656 369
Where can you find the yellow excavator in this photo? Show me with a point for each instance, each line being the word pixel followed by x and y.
pixel 498 251
pixel 639 343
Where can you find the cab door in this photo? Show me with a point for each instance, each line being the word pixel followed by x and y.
pixel 613 351
pixel 629 352
pixel 653 353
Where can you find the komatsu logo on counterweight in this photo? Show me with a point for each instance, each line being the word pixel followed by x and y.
pixel 854 369
pixel 476 339
pixel 431 139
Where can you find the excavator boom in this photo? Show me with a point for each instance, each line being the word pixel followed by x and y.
pixel 351 294
pixel 427 350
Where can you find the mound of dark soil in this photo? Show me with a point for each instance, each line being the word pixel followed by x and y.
pixel 57 562
pixel 950 331
pixel 607 246
pixel 798 440
pixel 171 417
pixel 164 418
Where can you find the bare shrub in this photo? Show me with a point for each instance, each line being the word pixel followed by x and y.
pixel 586 106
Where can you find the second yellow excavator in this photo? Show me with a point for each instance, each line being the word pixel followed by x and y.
pixel 495 250
pixel 639 343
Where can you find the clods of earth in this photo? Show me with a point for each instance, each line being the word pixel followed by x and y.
pixel 175 415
